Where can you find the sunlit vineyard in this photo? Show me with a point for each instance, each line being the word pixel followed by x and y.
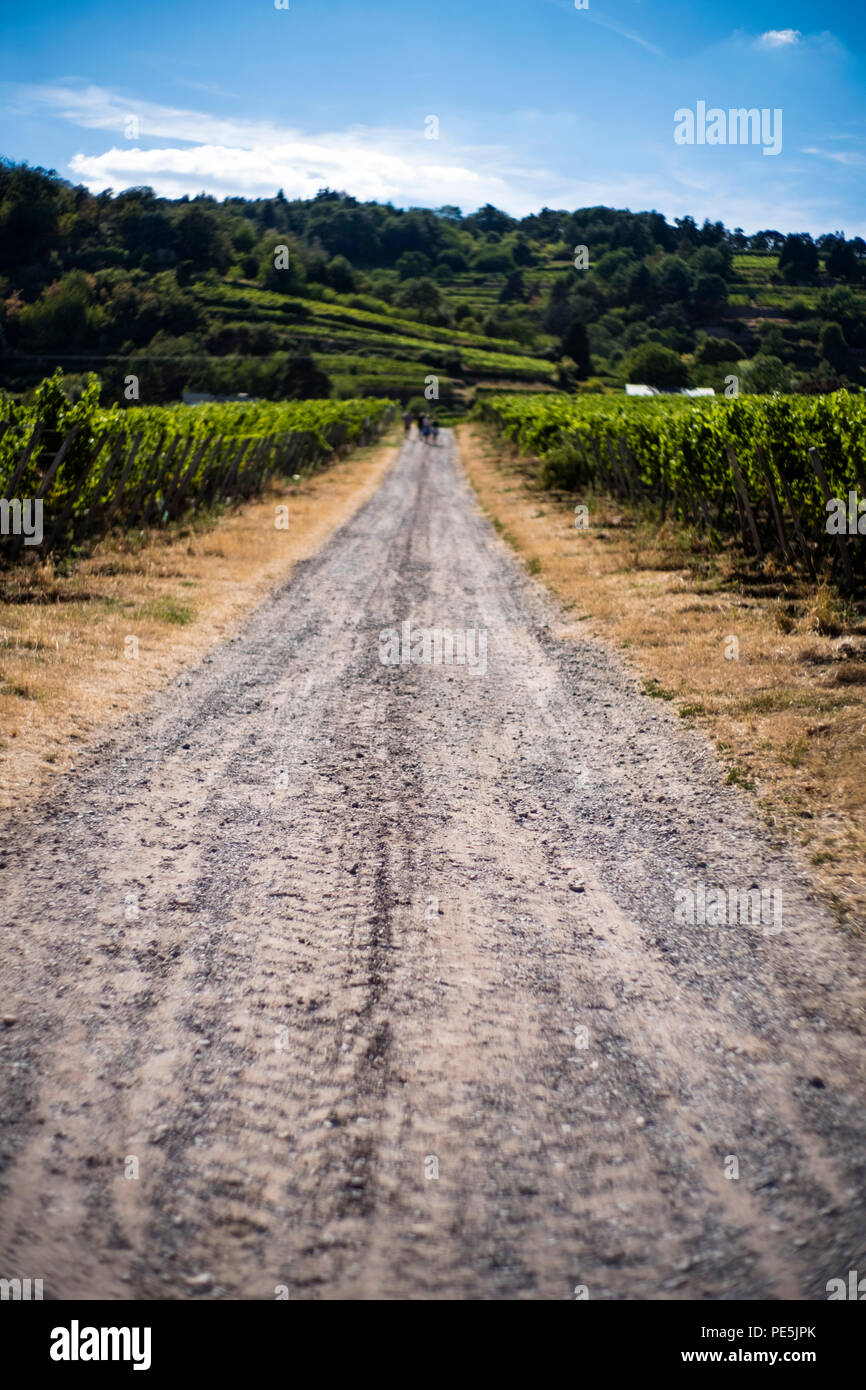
pixel 762 467
pixel 93 468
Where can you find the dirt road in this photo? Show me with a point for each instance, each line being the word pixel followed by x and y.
pixel 365 979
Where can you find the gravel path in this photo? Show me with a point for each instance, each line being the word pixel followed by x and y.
pixel 372 972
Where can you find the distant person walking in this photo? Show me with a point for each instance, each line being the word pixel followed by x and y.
pixel 421 418
pixel 425 430
pixel 407 423
pixel 434 426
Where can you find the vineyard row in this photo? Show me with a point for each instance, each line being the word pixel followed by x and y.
pixel 784 473
pixel 88 469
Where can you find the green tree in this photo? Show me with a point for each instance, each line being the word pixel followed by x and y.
pixel 841 260
pixel 772 342
pixel 341 276
pixel 798 261
pixel 765 375
pixel 493 260
pixel 423 295
pixel 714 350
pixel 63 316
pixel 201 239
pixel 513 289
pixel 490 219
pixel 833 346
pixel 275 273
pixel 558 314
pixel 673 279
pixel 453 259
pixel 300 378
pixel 710 295
pixel 575 345
pixel 651 364
pixel 413 264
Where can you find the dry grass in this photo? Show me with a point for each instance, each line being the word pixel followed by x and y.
pixel 64 671
pixel 787 713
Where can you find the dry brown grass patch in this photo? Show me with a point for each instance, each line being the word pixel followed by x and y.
pixel 788 717
pixel 63 668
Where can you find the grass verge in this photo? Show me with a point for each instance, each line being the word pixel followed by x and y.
pixel 86 642
pixel 772 669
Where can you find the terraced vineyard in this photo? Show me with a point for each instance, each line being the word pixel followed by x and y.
pixel 377 351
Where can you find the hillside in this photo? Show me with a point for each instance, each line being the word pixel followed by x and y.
pixel 282 298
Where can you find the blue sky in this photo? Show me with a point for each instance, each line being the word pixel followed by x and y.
pixel 538 103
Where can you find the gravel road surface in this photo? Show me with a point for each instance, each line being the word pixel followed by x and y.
pixel 325 977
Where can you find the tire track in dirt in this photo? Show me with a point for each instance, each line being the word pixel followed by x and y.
pixel 337 1024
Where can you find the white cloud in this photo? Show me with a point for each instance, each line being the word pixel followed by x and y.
pixel 361 162
pixel 625 33
pixel 186 151
pixel 780 38
pixel 94 108
pixel 593 17
pixel 180 151
pixel 837 156
pixel 200 153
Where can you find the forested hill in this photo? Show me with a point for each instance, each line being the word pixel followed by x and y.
pixel 286 298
